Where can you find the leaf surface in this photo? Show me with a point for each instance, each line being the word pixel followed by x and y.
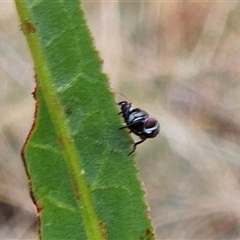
pixel 83 183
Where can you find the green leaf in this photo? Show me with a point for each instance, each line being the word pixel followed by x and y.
pixel 83 183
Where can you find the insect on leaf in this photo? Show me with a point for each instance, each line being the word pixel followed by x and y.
pixel 83 183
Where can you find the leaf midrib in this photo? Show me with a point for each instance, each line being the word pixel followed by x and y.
pixel 59 120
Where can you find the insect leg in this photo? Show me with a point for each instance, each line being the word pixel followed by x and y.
pixel 130 125
pixel 135 146
pixel 124 102
pixel 123 127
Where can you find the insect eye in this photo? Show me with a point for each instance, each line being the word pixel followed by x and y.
pixel 151 122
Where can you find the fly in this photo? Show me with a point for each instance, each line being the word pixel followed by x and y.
pixel 138 122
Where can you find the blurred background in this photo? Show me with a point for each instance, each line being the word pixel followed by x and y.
pixel 180 61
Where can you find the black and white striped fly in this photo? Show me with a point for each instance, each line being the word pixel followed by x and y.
pixel 138 122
